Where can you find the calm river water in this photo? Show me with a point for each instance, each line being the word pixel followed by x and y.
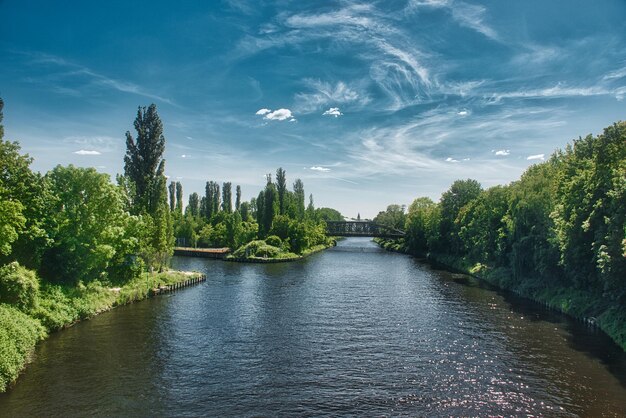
pixel 350 331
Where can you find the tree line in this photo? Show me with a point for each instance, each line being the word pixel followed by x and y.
pixel 562 225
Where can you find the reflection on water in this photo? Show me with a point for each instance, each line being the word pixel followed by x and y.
pixel 350 331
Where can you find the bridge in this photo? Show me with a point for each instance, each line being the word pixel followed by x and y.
pixel 361 229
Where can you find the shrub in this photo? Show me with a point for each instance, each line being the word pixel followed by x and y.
pixel 19 334
pixel 19 286
pixel 274 241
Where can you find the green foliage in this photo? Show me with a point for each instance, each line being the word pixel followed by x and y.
pixel 24 208
pixel 19 286
pixel 460 193
pixel 328 214
pixel 417 229
pixel 394 217
pixel 19 334
pixel 143 163
pixel 273 240
pixel 227 199
pixel 90 234
pixel 11 223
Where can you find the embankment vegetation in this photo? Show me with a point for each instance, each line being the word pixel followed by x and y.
pixel 557 235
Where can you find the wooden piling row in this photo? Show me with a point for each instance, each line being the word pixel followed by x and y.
pixel 177 286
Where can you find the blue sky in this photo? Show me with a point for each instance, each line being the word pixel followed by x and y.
pixel 369 103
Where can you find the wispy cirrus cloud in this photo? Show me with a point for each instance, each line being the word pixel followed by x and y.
pixel 67 71
pixel 540 157
pixel 468 15
pixel 323 93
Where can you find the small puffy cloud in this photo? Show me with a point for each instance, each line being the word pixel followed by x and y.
pixel 183 156
pixel 463 113
pixel 318 168
pixel 451 160
pixel 536 157
pixel 279 114
pixel 87 152
pixel 503 152
pixel 333 111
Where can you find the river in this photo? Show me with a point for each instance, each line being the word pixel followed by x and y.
pixel 353 330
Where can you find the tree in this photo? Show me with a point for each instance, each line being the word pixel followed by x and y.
pixel 179 197
pixel 244 209
pixel 24 206
pixel 270 206
pixel 281 188
pixel 144 164
pixel 298 191
pixel 310 210
pixel 416 225
pixel 328 214
pixel 193 207
pixel 393 217
pixel 91 235
pixel 238 198
pixel 227 200
pixel 458 195
pixel 172 190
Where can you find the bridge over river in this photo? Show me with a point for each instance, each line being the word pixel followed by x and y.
pixel 361 229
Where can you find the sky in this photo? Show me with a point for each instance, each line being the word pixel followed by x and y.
pixel 369 103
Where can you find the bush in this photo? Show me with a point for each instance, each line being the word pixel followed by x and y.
pixel 274 241
pixel 19 286
pixel 19 334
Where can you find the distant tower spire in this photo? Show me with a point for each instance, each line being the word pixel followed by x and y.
pixel 358 216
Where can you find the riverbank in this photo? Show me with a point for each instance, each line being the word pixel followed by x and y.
pixel 593 308
pixel 59 307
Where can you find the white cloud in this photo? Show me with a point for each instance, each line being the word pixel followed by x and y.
pixel 183 156
pixel 451 160
pixel 503 152
pixel 318 168
pixel 333 111
pixel 87 152
pixel 279 114
pixel 463 113
pixel 536 157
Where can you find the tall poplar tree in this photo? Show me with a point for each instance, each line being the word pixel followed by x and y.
pixel 194 204
pixel 298 191
pixel 179 197
pixel 227 198
pixel 281 189
pixel 144 168
pixel 172 190
pixel 144 164
pixel 238 198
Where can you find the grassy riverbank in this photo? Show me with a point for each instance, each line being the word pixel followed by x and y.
pixel 58 307
pixel 580 304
